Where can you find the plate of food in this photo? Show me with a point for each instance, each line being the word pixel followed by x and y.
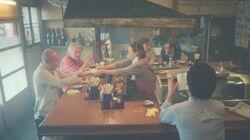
pixel 147 103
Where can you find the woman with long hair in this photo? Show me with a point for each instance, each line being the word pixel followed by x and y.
pixel 138 68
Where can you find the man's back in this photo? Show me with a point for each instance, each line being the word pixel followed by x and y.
pixel 196 119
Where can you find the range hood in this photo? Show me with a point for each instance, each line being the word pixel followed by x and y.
pixel 123 13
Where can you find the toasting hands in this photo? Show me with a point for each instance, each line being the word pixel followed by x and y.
pixel 172 87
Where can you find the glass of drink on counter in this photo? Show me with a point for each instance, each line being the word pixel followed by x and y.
pixel 182 81
pixel 221 67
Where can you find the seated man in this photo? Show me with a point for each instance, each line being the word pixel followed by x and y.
pixel 48 80
pixel 150 54
pixel 199 118
pixel 168 51
pixel 72 62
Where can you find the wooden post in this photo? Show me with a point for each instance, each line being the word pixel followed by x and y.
pixel 208 38
pixel 97 45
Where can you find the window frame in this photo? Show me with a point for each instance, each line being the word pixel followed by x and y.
pixel 2 92
pixel 18 33
pixel 31 27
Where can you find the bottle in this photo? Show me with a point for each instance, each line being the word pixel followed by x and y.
pixel 74 39
pixel 48 37
pixel 80 38
pixel 221 67
pixel 54 42
pixel 106 54
pixel 63 36
pixel 58 36
pixel 170 62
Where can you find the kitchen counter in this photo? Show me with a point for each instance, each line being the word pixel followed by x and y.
pixel 243 92
pixel 76 118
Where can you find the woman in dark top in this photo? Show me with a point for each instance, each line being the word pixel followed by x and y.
pixel 138 67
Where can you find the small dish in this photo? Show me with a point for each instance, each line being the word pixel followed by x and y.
pixel 76 86
pixel 147 103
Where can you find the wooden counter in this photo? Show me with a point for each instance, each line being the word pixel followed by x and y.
pixel 74 116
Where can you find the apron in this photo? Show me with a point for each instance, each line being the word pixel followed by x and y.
pixel 141 88
pixel 146 88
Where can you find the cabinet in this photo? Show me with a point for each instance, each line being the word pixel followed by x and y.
pixel 221 46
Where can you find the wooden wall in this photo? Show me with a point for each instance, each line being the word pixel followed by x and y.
pixel 201 7
pixel 8 12
pixel 50 12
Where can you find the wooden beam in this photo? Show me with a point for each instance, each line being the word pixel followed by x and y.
pixel 129 22
pixel 97 45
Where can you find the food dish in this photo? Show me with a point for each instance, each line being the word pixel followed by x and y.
pixel 147 103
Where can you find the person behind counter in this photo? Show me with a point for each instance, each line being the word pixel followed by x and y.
pixel 72 62
pixel 168 51
pixel 150 53
pixel 199 116
pixel 138 67
pixel 48 80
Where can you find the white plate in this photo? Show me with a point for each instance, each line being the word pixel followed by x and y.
pixel 147 103
pixel 77 86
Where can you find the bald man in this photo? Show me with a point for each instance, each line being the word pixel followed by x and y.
pixel 47 80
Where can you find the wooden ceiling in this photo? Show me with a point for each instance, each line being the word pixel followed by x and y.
pixel 201 7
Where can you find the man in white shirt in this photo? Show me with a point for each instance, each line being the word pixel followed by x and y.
pixel 199 118
pixel 48 81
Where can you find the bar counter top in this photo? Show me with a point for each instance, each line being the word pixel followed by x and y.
pixel 74 116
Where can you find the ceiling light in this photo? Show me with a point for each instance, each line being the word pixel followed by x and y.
pixel 8 2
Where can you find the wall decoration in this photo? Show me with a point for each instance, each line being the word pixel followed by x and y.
pixel 84 36
pixel 242 32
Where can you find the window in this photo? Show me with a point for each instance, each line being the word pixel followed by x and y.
pixel 35 24
pixel 15 60
pixel 8 35
pixel 31 25
pixel 12 66
pixel 14 84
pixel 26 24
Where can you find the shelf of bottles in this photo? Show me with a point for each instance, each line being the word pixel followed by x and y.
pixel 55 37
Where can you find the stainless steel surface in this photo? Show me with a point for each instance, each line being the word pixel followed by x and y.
pixel 231 103
pixel 240 81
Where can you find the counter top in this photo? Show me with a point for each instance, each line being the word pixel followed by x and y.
pixel 74 116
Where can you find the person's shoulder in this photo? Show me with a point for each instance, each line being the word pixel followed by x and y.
pixel 66 57
pixel 181 105
pixel 142 62
pixel 39 71
pixel 217 103
pixel 162 51
pixel 127 62
pixel 38 68
pixel 152 51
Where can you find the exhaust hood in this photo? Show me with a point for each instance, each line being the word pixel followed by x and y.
pixel 123 13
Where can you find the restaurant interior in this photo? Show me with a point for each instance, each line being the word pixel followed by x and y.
pixel 214 32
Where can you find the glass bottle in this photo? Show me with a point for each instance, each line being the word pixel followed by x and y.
pixel 63 36
pixel 54 42
pixel 48 37
pixel 80 38
pixel 58 36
